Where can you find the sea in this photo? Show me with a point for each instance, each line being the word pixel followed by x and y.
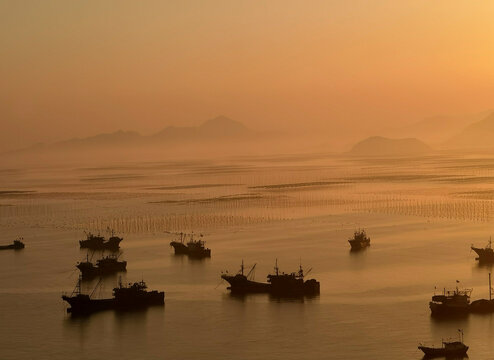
pixel 421 213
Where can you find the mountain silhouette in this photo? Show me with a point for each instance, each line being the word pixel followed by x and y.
pixel 219 128
pixel 381 146
pixel 478 135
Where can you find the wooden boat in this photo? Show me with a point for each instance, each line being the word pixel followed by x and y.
pixel 448 348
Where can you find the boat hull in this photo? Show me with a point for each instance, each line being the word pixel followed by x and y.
pixel 239 284
pixel 438 352
pixel 15 246
pixel 359 244
pixel 482 306
pixel 195 252
pixel 445 310
pixel 112 244
pixel 83 304
pixel 484 255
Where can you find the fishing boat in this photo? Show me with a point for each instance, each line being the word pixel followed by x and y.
pixel 81 304
pixel 359 241
pixel 193 248
pixel 483 305
pixel 485 255
pixel 451 302
pixel 125 298
pixel 244 284
pixel 292 284
pixel 105 266
pixel 16 245
pixel 278 284
pixel 447 349
pixel 98 242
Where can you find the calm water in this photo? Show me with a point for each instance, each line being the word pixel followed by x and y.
pixel 422 215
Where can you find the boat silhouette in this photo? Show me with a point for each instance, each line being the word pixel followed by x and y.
pixel 278 284
pixel 133 296
pixel 17 244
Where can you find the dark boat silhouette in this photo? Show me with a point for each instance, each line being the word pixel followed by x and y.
pixel 448 349
pixel 105 266
pixel 485 255
pixel 125 298
pixel 243 284
pixel 451 303
pixel 359 241
pixel 193 248
pixel 483 305
pixel 292 284
pixel 98 242
pixel 16 245
pixel 278 284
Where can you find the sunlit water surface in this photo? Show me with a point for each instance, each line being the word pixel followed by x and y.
pixel 422 215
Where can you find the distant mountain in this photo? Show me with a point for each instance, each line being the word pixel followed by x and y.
pixel 381 146
pixel 218 128
pixel 436 129
pixel 479 135
pixel 114 138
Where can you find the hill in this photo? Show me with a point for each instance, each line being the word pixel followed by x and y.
pixel 478 135
pixel 219 128
pixel 381 146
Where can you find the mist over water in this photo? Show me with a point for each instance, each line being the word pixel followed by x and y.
pixel 422 214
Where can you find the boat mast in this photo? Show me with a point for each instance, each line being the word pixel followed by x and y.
pixel 77 289
pixel 242 267
pixel 490 288
pixel 276 267
pixel 251 271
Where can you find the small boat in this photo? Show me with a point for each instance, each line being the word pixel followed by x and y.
pixel 485 255
pixel 447 349
pixel 451 302
pixel 244 284
pixel 16 245
pixel 125 298
pixel 278 284
pixel 483 305
pixel 98 242
pixel 193 248
pixel 359 241
pixel 83 304
pixel 292 284
pixel 105 266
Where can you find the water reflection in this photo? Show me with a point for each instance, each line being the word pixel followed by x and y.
pixel 271 297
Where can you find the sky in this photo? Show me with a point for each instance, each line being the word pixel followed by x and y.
pixel 79 68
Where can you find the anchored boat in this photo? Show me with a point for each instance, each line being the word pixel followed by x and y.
pixel 105 266
pixel 485 255
pixel 447 349
pixel 451 302
pixel 359 241
pixel 16 245
pixel 125 298
pixel 98 242
pixel 278 284
pixel 483 305
pixel 193 248
pixel 244 284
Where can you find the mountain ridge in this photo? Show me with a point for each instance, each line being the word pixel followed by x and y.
pixel 217 128
pixel 383 146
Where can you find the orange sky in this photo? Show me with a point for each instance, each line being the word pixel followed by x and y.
pixel 77 68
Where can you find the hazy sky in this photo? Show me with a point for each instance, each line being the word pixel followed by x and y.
pixel 76 68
